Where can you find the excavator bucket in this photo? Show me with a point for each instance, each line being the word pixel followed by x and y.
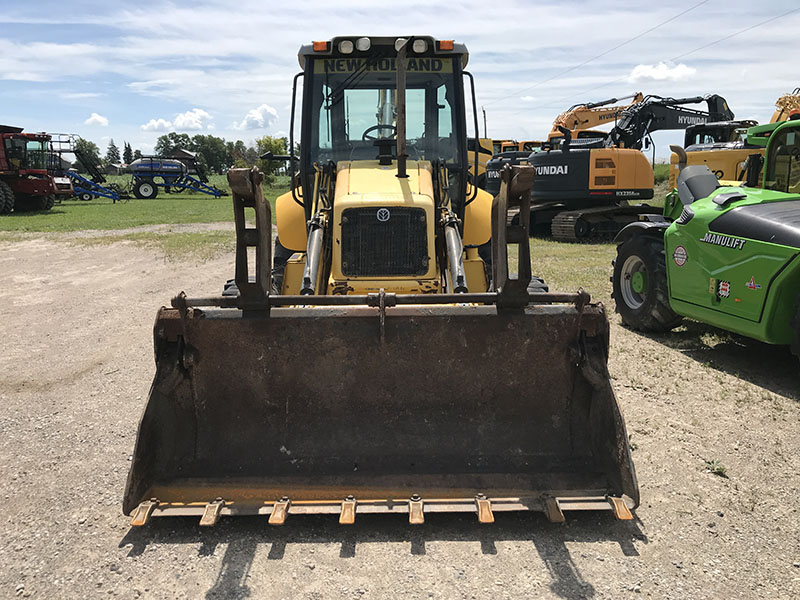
pixel 384 403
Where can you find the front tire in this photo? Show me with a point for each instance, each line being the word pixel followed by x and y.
pixel 85 196
pixel 640 285
pixel 46 202
pixel 796 327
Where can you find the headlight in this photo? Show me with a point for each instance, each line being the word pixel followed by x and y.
pixel 419 46
pixel 345 46
pixel 363 44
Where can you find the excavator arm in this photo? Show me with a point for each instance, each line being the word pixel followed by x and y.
pixel 580 117
pixel 655 113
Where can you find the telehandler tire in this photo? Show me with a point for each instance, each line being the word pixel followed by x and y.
pixel 640 285
pixel 796 327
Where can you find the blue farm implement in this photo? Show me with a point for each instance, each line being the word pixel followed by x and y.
pixel 170 174
pixel 84 188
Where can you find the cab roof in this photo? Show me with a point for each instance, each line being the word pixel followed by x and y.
pixel 331 48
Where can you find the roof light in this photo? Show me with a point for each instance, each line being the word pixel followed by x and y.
pixel 419 46
pixel 445 44
pixel 398 43
pixel 363 44
pixel 345 46
pixel 320 46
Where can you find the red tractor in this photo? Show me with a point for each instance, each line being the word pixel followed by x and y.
pixel 25 182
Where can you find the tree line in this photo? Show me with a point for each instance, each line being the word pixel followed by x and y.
pixel 214 153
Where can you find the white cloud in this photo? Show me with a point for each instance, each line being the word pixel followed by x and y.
pixel 661 72
pixel 157 125
pixel 96 119
pixel 527 98
pixel 258 118
pixel 196 118
pixel 80 95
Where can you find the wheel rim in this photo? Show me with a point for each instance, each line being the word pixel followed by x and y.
pixel 639 282
pixel 581 228
pixel 633 282
pixel 146 189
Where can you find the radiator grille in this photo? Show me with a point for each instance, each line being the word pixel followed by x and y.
pixel 389 241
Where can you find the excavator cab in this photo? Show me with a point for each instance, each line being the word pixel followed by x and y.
pixel 390 374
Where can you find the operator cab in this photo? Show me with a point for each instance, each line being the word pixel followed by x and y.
pixel 350 85
pixel 783 161
pixel 25 152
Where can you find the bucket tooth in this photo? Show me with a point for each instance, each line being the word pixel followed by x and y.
pixel 621 510
pixel 143 512
pixel 348 514
pixel 415 514
pixel 553 510
pixel 280 510
pixel 212 512
pixel 485 514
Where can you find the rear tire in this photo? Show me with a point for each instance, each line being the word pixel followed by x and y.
pixel 25 203
pixel 6 198
pixel 640 285
pixel 85 196
pixel 145 190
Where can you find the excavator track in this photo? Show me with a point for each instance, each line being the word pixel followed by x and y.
pixel 601 222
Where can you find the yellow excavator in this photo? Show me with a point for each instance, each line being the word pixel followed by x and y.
pixel 723 146
pixel 386 373
pixel 582 119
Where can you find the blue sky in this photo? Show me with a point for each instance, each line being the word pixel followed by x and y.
pixel 133 71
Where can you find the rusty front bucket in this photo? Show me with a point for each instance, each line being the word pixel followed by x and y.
pixel 336 410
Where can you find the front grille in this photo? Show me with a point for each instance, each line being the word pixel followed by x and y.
pixel 384 241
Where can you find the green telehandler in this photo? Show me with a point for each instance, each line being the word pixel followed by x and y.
pixel 726 256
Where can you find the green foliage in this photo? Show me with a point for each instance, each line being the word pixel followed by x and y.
pixel 112 153
pixel 137 154
pixel 169 143
pixel 276 146
pixel 127 154
pixel 89 150
pixel 212 152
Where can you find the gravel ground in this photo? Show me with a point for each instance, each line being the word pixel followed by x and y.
pixel 75 370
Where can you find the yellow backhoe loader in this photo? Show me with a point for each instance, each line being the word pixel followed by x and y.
pixel 390 374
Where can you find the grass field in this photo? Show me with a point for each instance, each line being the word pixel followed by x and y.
pixel 589 263
pixel 102 213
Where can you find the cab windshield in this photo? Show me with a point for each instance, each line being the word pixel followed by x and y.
pixel 354 105
pixel 783 168
pixel 26 154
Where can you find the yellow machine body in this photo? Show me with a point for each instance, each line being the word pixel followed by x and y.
pixel 400 368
